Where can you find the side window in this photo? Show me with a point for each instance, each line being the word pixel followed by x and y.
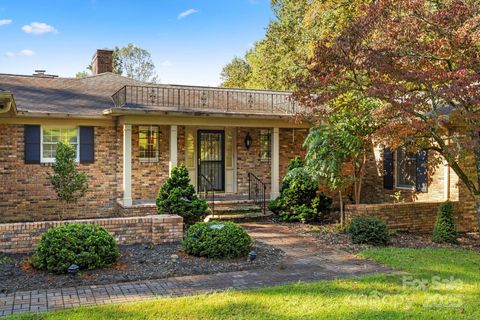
pixel 148 143
pixel 266 144
pixel 406 167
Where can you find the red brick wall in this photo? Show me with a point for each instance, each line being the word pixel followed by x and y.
pixel 155 229
pixel 413 216
pixel 26 194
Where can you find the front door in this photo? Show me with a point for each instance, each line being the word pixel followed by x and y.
pixel 211 159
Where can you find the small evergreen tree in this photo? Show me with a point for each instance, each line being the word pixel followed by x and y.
pixel 69 184
pixel 298 200
pixel 445 230
pixel 177 196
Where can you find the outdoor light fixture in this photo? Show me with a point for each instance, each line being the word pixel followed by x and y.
pixel 248 141
pixel 252 255
pixel 73 269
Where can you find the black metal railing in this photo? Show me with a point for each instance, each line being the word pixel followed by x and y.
pixel 257 191
pixel 207 191
pixel 188 98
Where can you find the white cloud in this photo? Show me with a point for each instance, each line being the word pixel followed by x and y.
pixel 4 22
pixel 166 63
pixel 21 53
pixel 26 53
pixel 186 13
pixel 38 28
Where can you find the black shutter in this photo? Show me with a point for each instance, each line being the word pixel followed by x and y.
pixel 87 145
pixel 422 171
pixel 388 169
pixel 32 144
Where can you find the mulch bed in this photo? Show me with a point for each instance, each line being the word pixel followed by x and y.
pixel 137 262
pixel 330 236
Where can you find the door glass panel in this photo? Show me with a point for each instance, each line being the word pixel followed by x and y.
pixel 211 159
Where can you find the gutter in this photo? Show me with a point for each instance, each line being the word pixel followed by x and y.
pixel 124 111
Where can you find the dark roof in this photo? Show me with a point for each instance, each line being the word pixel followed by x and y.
pixel 87 96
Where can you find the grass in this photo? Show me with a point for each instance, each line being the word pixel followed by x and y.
pixel 431 284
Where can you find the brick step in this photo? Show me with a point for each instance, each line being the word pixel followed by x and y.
pixel 252 216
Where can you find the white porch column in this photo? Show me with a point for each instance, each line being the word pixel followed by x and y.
pixel 275 189
pixel 173 148
pixel 127 165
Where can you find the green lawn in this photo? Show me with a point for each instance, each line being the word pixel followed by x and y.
pixel 372 297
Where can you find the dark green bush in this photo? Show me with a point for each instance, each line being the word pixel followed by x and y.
pixel 368 230
pixel 298 200
pixel 177 196
pixel 226 240
pixel 445 230
pixel 88 246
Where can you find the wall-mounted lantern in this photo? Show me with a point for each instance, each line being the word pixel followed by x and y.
pixel 248 141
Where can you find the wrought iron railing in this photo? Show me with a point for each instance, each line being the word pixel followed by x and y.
pixel 208 191
pixel 257 191
pixel 185 98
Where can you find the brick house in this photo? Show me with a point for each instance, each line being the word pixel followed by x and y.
pixel 129 134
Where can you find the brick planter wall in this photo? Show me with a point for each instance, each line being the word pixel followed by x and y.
pixel 411 217
pixel 23 237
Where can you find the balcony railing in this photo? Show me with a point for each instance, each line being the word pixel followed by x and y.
pixel 191 99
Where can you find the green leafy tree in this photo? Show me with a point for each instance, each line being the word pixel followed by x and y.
pixel 177 196
pixel 134 62
pixel 69 184
pixel 236 74
pixel 445 230
pixel 82 74
pixel 338 146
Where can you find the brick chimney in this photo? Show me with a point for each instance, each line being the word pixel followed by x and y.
pixel 102 61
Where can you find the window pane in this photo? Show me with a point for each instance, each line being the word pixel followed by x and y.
pixel 406 168
pixel 52 136
pixel 148 143
pixel 265 144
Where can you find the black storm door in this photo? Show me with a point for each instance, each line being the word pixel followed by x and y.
pixel 211 158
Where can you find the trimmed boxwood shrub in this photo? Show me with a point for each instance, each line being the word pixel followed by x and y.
pixel 368 230
pixel 88 246
pixel 445 230
pixel 177 196
pixel 225 240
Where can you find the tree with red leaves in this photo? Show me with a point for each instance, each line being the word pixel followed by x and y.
pixel 421 59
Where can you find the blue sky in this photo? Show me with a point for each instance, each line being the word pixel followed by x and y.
pixel 190 41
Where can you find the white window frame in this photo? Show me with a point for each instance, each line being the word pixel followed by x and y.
pixel 52 160
pixel 397 185
pixel 157 156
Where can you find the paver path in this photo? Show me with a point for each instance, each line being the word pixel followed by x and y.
pixel 305 261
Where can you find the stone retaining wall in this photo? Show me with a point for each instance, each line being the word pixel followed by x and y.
pixel 23 237
pixel 411 217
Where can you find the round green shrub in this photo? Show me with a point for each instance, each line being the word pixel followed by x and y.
pixel 368 230
pixel 88 246
pixel 177 196
pixel 225 240
pixel 445 230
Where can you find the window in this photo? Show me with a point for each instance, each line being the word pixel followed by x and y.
pixel 406 169
pixel 148 143
pixel 265 144
pixel 50 139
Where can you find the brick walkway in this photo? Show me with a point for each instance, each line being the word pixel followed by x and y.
pixel 305 261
